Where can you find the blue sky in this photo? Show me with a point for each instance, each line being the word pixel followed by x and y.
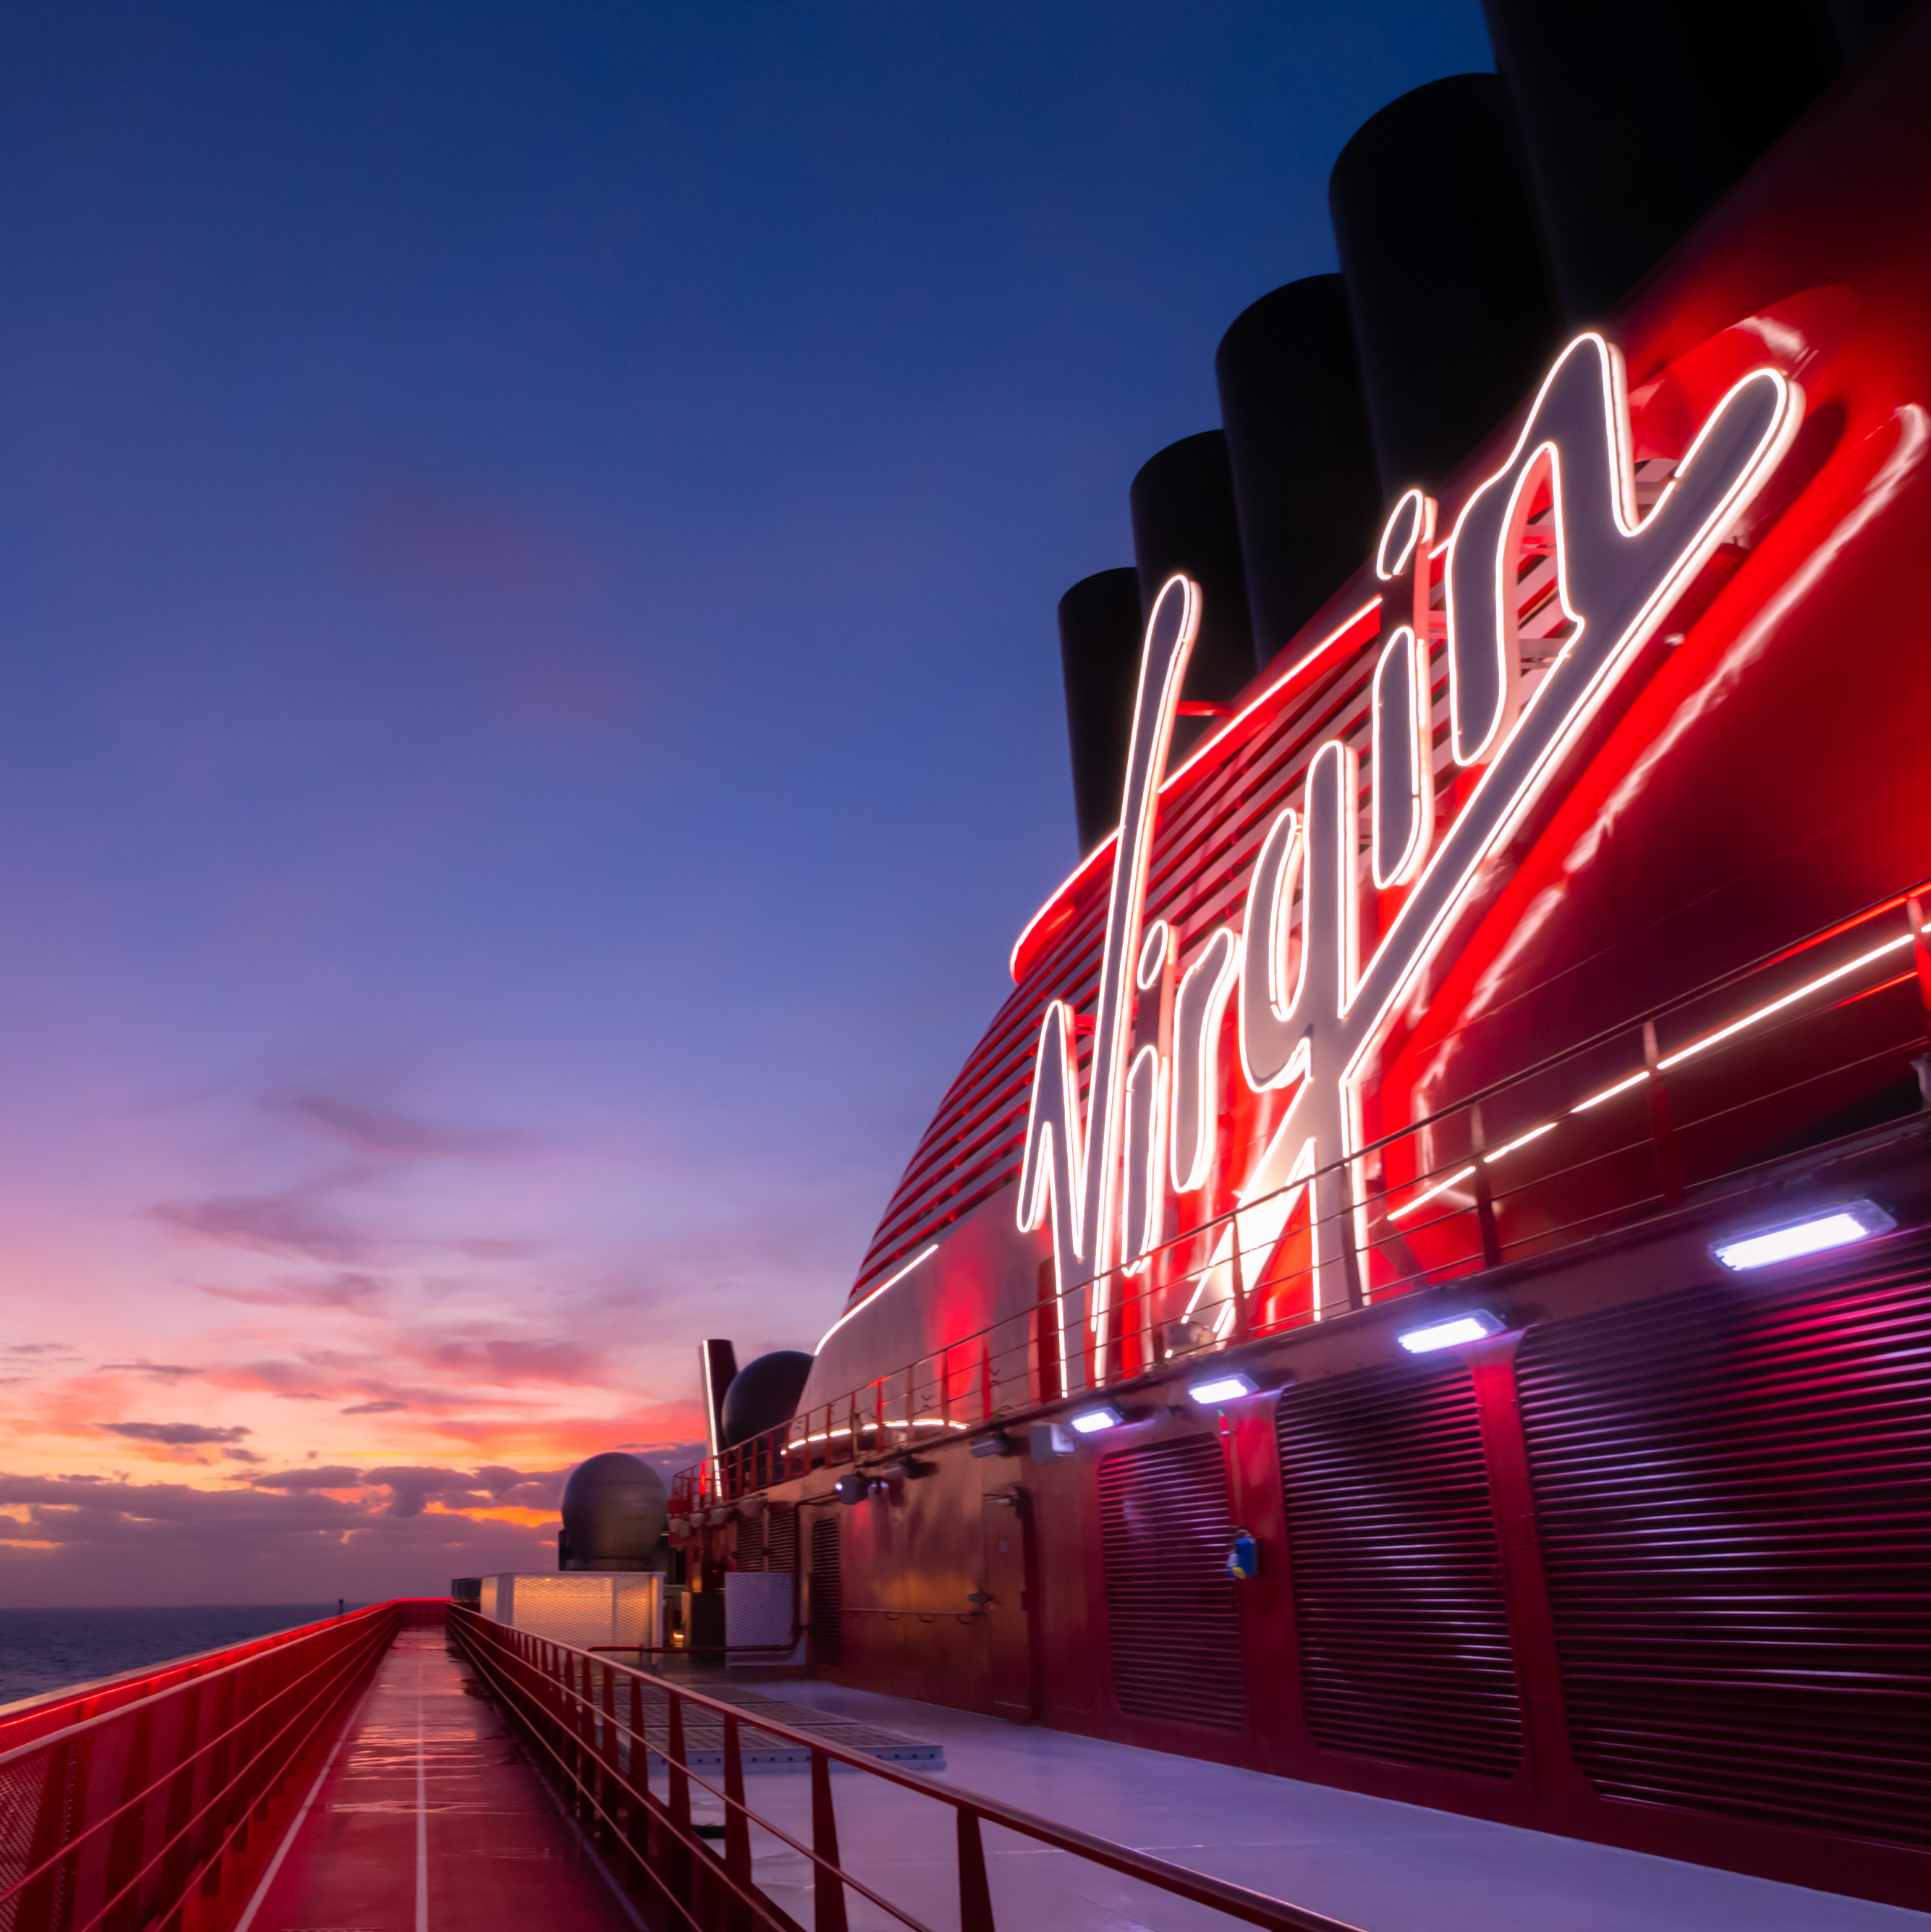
pixel 529 705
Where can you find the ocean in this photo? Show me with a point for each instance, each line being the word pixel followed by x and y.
pixel 47 1650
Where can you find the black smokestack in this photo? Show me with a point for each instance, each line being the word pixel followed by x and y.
pixel 1306 495
pixel 1440 249
pixel 1099 659
pixel 1637 114
pixel 1183 520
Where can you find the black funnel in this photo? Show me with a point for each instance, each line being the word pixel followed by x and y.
pixel 1183 520
pixel 1636 115
pixel 1100 634
pixel 1861 24
pixel 1436 229
pixel 1307 496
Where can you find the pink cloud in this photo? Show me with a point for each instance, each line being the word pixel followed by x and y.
pixel 288 1223
pixel 377 1130
pixel 346 1290
pixel 268 1539
pixel 175 1435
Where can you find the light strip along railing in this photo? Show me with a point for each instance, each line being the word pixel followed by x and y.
pixel 124 1818
pixel 591 1723
pixel 1614 1127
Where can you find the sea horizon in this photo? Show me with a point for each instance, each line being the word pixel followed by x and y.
pixel 46 1650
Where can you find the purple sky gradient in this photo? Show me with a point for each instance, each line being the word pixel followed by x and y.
pixel 529 537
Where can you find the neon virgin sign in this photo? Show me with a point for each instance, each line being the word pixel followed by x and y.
pixel 1312 1015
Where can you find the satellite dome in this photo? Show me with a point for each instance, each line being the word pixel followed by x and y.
pixel 763 1394
pixel 614 1509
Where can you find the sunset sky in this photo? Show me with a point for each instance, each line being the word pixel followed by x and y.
pixel 529 539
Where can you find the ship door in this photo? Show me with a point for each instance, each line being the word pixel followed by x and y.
pixel 1008 1601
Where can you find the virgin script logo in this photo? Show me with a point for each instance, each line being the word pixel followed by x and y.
pixel 1311 1015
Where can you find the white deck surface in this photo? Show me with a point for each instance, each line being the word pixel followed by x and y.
pixel 1368 1861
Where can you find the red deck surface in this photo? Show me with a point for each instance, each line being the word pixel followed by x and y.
pixel 424 1817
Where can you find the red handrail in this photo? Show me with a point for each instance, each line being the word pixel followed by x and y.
pixel 607 1763
pixel 121 1807
pixel 1604 1138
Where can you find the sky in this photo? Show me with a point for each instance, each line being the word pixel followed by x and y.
pixel 529 701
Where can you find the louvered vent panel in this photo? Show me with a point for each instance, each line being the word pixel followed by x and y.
pixel 781 1538
pixel 747 1542
pixel 1397 1573
pixel 1733 1491
pixel 828 1633
pixel 1170 1615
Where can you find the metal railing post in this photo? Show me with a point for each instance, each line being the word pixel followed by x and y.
pixel 1668 1173
pixel 828 1888
pixel 1484 1199
pixel 975 1892
pixel 737 1827
pixel 611 1780
pixel 679 1797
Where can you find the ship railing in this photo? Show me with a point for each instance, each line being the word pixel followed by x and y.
pixel 617 1742
pixel 1690 1102
pixel 132 1802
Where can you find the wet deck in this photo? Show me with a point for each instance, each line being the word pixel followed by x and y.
pixel 1368 1861
pixel 425 1817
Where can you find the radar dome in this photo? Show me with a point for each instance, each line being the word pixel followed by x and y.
pixel 763 1394
pixel 614 1509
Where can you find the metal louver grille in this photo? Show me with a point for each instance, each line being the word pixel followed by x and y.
pixel 1733 1489
pixel 781 1538
pixel 828 1641
pixel 748 1543
pixel 1171 1619
pixel 1398 1588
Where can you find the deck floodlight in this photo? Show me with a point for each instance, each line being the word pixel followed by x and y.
pixel 852 1487
pixel 1091 1421
pixel 1835 1228
pixel 1230 1386
pixel 1454 1331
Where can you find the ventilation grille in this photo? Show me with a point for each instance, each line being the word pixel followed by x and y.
pixel 828 1632
pixel 748 1543
pixel 1397 1574
pixel 781 1538
pixel 768 1542
pixel 1211 827
pixel 1171 1619
pixel 1734 1495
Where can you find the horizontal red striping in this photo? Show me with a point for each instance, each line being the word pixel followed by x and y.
pixel 1208 833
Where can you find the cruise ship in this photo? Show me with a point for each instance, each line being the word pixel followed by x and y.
pixel 1395 1389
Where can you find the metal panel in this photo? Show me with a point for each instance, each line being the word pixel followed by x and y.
pixel 1173 1624
pixel 1733 1490
pixel 580 1607
pixel 757 1609
pixel 1398 1599
pixel 827 1624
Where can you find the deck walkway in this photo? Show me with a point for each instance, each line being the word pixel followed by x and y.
pixel 425 1819
pixel 1368 1862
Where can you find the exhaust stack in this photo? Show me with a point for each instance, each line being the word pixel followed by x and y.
pixel 1306 493
pixel 1452 301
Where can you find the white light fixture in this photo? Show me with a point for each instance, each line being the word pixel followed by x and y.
pixel 1091 1421
pixel 1836 1228
pixel 1453 1333
pixel 1230 1386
